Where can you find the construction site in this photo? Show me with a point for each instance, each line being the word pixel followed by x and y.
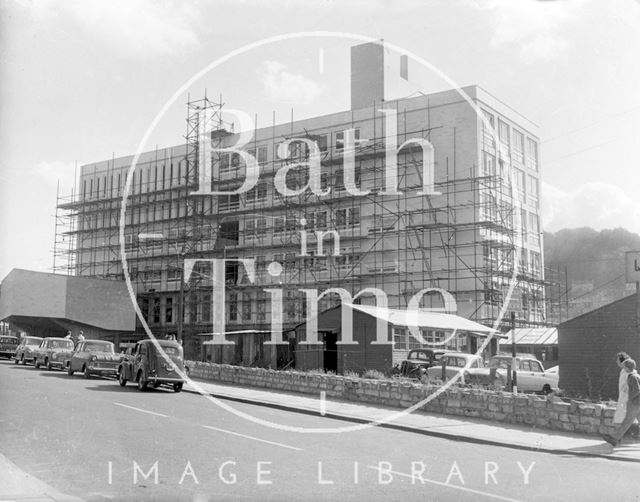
pixel 476 234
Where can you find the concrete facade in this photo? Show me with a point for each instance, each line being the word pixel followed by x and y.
pixel 466 240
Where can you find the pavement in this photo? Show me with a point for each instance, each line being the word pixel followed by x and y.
pixel 454 428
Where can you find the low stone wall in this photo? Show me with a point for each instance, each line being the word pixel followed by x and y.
pixel 537 411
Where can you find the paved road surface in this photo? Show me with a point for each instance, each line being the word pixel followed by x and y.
pixel 96 440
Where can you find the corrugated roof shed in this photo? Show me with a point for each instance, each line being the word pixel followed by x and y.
pixel 533 336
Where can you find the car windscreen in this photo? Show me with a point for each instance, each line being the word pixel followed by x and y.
pixel 171 350
pixel 98 347
pixel 32 341
pixel 61 344
pixel 12 341
pixel 501 362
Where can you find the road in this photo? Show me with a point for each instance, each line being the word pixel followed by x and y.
pixel 98 441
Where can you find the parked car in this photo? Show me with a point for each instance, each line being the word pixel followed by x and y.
pixel 418 361
pixel 453 363
pixel 8 346
pixel 146 364
pixel 25 351
pixel 53 353
pixel 530 373
pixel 94 357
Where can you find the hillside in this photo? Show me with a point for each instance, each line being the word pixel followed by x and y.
pixel 594 262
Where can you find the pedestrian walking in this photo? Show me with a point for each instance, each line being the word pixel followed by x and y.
pixel 632 404
pixel 623 389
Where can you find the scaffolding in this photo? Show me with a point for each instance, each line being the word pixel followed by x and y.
pixel 467 240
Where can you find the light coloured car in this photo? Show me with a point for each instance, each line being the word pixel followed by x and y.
pixel 53 353
pixel 25 352
pixel 94 357
pixel 453 363
pixel 530 373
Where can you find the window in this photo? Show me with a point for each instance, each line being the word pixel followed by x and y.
pixel 250 229
pixel 256 194
pixel 228 202
pixel 156 310
pixel 503 133
pixel 279 224
pixel 233 307
pixel 261 306
pixel 322 141
pixel 399 339
pixel 488 130
pixel 535 262
pixel 262 155
pixel 382 223
pixel 340 138
pixel 532 154
pixel 261 264
pixel 261 227
pixel 518 146
pixel 520 182
pixel 246 307
pixel 488 164
pixel 533 188
pixel 230 230
pixel 353 216
pixel 290 261
pixel 321 220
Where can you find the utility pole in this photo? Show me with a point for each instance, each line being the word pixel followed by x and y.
pixel 514 362
pixel 181 303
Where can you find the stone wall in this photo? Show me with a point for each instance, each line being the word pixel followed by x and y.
pixel 537 411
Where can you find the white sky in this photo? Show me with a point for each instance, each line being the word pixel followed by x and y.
pixel 81 80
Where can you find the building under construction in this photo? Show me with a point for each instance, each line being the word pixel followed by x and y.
pixel 474 237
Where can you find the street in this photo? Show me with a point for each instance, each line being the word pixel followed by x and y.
pixel 98 441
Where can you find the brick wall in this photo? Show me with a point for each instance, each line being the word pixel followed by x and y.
pixel 537 411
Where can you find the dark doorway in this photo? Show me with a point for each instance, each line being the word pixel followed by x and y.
pixel 330 340
pixel 473 344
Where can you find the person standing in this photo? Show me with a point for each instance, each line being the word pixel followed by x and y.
pixel 632 405
pixel 623 389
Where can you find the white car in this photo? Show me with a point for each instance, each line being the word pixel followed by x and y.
pixel 454 363
pixel 530 374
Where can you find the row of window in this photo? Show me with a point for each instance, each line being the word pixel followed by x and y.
pixel 231 162
pixel 527 185
pixel 521 148
pixel 144 179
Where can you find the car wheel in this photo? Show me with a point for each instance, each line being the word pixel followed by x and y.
pixel 177 387
pixel 70 372
pixel 546 389
pixel 87 373
pixel 142 383
pixel 47 363
pixel 121 379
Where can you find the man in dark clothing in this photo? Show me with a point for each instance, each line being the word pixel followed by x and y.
pixel 633 403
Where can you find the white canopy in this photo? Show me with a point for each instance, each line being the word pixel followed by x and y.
pixel 423 319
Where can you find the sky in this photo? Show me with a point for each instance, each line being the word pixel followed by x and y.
pixel 82 81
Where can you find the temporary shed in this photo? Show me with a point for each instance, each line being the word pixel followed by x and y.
pixel 436 329
pixel 541 342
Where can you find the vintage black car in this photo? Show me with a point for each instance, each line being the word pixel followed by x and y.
pixel 418 361
pixel 8 346
pixel 153 362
